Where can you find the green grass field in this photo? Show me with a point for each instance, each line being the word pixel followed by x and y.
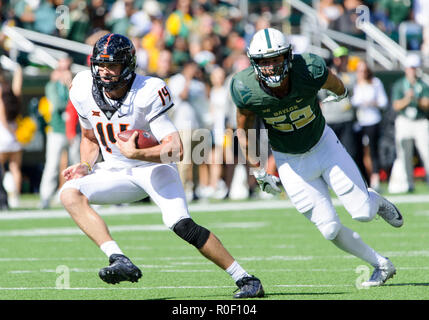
pixel 43 254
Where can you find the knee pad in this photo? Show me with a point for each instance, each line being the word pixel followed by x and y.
pixel 191 232
pixel 330 230
pixel 302 201
pixel 340 182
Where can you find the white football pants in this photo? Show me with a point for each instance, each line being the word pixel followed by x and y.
pixel 114 186
pixel 307 177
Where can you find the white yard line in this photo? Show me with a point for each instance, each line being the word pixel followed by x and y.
pixel 117 288
pixel 193 207
pixel 175 287
pixel 188 260
pixel 159 269
pixel 67 231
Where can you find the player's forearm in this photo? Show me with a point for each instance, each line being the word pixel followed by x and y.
pixel 153 154
pixel 339 89
pixel 243 141
pixel 245 121
pixel 334 84
pixel 170 150
pixel 89 151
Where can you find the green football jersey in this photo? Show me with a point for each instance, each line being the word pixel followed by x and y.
pixel 295 122
pixel 420 89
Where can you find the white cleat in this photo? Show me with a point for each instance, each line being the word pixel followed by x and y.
pixel 380 275
pixel 389 212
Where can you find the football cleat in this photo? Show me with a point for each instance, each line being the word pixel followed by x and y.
pixel 250 287
pixel 120 269
pixel 389 212
pixel 380 275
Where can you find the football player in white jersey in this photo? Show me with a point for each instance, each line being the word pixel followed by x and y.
pixel 112 98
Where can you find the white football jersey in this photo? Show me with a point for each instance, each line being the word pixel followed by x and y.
pixel 148 98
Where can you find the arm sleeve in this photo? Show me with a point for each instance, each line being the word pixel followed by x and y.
pixel 85 123
pixel 73 96
pixel 159 101
pixel 162 127
pixel 318 70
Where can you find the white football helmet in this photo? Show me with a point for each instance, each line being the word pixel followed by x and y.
pixel 269 43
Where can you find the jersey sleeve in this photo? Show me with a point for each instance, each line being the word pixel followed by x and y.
pixel 162 127
pixel 159 101
pixel 75 96
pixel 240 93
pixel 318 70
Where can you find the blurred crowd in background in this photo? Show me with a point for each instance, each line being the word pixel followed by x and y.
pixel 196 46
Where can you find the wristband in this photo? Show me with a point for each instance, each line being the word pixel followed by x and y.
pixel 88 165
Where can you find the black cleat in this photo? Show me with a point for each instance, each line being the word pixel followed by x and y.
pixel 120 269
pixel 250 287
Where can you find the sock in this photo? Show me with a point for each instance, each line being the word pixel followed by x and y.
pixel 350 241
pixel 110 247
pixel 236 271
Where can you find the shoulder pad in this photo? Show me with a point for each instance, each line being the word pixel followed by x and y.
pixel 240 92
pixel 82 82
pixel 314 64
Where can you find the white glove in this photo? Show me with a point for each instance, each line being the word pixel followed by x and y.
pixel 334 98
pixel 267 182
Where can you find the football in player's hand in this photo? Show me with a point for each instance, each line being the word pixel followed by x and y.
pixel 144 139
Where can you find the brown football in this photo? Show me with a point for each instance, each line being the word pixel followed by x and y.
pixel 144 139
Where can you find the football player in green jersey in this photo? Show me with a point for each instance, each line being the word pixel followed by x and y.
pixel 281 88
